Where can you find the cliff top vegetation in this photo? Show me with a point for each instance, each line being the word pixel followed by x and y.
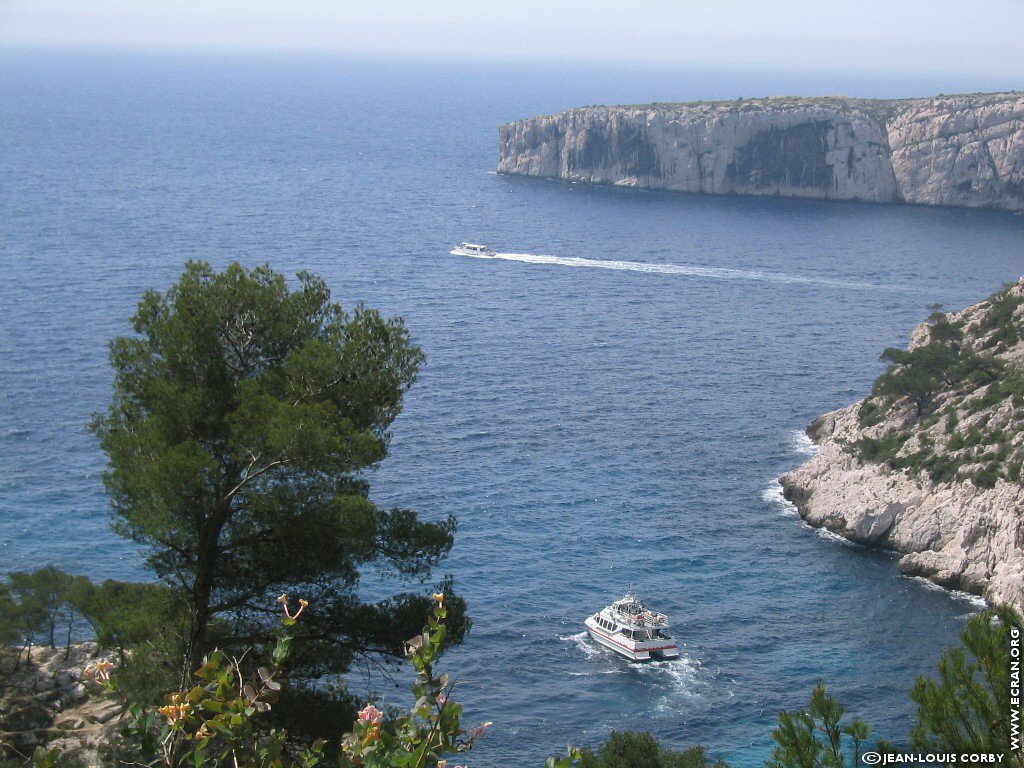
pixel 951 406
pixel 879 110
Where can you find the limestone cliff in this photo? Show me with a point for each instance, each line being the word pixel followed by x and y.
pixel 949 150
pixel 931 463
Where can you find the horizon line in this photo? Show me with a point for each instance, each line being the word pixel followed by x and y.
pixel 228 50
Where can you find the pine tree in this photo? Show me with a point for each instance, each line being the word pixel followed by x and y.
pixel 244 417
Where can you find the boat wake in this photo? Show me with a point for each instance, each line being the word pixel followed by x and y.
pixel 674 678
pixel 669 679
pixel 582 641
pixel 684 270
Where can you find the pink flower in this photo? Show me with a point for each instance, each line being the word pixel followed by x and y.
pixel 370 714
pixel 283 600
pixel 441 700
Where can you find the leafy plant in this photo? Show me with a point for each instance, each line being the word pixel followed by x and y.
pixel 212 723
pixel 430 730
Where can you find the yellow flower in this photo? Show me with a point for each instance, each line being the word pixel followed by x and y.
pixel 100 671
pixel 439 597
pixel 176 710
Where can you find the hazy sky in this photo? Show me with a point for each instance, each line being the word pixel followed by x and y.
pixel 964 35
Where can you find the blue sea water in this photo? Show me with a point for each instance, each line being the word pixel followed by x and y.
pixel 589 427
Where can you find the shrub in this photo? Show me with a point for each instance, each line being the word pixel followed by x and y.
pixel 871 413
pixel 629 749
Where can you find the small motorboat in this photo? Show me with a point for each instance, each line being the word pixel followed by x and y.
pixel 473 249
pixel 632 630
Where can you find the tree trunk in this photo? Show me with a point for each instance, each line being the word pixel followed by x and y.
pixel 67 647
pixel 202 589
pixel 196 648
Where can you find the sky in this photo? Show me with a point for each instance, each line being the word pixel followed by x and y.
pixel 906 35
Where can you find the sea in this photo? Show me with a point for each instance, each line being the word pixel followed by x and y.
pixel 606 405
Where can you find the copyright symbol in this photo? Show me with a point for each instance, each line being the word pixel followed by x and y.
pixel 871 758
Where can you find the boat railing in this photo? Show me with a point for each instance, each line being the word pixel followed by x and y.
pixel 655 619
pixel 647 618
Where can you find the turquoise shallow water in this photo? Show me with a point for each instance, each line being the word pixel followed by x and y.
pixel 614 412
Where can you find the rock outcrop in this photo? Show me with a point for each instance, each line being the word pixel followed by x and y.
pixel 948 150
pixel 935 475
pixel 47 701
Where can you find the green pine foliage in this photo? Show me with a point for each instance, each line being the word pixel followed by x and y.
pixel 244 417
pixel 955 376
pixel 630 749
pixel 818 737
pixel 965 707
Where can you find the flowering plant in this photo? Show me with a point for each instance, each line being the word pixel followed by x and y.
pixel 211 724
pixel 430 730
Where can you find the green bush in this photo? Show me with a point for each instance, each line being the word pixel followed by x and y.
pixel 952 422
pixel 881 450
pixel 871 413
pixel 999 321
pixel 629 749
pixel 987 477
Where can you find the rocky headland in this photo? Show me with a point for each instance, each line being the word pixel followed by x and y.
pixel 930 464
pixel 965 150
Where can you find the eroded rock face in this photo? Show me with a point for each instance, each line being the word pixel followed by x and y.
pixel 955 533
pixel 961 150
pixel 958 150
pixel 958 536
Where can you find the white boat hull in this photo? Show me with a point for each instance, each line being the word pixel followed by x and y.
pixel 634 651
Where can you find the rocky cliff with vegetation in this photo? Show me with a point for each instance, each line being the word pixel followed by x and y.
pixel 965 150
pixel 930 464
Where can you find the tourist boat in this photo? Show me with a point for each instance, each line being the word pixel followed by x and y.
pixel 632 630
pixel 472 249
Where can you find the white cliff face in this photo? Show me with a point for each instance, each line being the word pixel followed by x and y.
pixel 955 533
pixel 956 151
pixel 961 150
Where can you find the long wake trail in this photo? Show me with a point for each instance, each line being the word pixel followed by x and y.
pixel 686 270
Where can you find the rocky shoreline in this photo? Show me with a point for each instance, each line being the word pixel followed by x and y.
pixel 964 151
pixel 962 531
